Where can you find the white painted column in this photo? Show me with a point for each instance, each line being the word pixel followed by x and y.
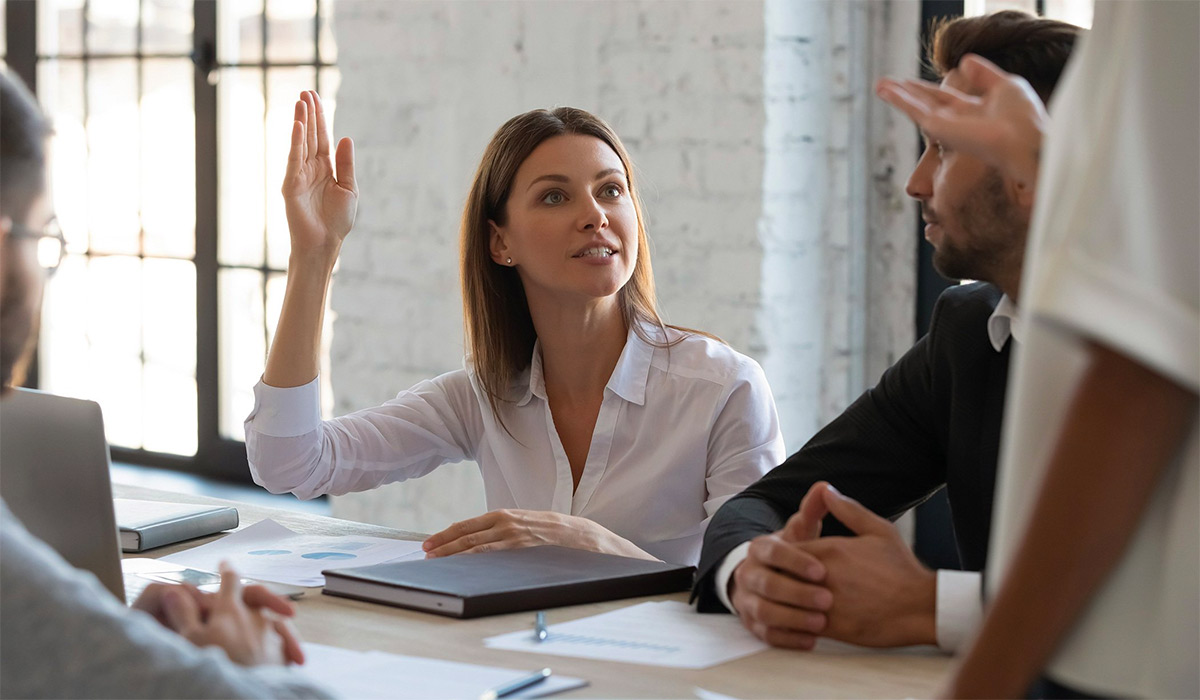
pixel 837 228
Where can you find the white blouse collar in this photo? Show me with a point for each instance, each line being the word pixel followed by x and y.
pixel 628 379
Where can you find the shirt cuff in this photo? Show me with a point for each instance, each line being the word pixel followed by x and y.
pixel 959 608
pixel 725 572
pixel 286 412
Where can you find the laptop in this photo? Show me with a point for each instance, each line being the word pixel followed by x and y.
pixel 54 476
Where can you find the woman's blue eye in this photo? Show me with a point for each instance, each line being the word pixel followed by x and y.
pixel 553 197
pixel 612 191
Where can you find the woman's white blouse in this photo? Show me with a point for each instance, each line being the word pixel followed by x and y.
pixel 681 429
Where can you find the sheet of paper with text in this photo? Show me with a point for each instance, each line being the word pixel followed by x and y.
pixel 375 674
pixel 666 633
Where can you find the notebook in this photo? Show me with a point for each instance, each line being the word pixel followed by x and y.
pixel 493 583
pixel 149 524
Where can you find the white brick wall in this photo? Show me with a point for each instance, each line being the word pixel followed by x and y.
pixel 763 169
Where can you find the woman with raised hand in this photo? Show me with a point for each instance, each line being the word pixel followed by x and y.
pixel 595 425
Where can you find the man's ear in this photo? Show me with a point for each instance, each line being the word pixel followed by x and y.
pixel 1022 194
pixel 498 244
pixel 5 227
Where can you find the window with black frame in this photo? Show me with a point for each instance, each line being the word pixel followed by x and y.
pixel 172 121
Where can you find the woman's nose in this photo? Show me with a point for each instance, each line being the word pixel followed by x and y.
pixel 592 217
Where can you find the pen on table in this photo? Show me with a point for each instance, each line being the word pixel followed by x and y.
pixel 503 691
pixel 539 627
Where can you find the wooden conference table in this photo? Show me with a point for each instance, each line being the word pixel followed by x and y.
pixel 775 673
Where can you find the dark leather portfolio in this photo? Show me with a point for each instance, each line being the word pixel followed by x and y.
pixel 493 583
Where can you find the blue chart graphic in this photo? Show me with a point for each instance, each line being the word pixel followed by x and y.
pixel 603 642
pixel 328 555
pixel 269 552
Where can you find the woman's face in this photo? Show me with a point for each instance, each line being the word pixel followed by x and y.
pixel 571 229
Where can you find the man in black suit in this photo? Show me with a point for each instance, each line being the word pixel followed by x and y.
pixel 933 419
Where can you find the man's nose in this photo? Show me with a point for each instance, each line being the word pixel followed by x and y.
pixel 920 181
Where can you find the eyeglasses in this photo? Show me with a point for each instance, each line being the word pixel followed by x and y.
pixel 51 244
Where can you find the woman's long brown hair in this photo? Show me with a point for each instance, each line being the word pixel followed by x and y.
pixel 499 329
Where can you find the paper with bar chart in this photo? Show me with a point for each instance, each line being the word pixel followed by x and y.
pixel 268 551
pixel 666 633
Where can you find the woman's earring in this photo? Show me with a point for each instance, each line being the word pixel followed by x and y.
pixel 510 261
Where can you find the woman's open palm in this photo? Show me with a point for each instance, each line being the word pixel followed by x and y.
pixel 319 192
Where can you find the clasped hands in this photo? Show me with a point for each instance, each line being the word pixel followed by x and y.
pixel 871 590
pixel 249 623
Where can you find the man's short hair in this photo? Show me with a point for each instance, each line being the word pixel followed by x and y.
pixel 1034 48
pixel 23 133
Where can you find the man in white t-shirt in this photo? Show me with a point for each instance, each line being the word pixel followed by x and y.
pixel 1096 535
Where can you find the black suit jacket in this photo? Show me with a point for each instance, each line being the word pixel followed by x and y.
pixel 933 420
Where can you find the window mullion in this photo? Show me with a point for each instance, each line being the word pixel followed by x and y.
pixel 207 327
pixel 20 27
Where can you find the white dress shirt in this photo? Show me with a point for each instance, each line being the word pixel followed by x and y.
pixel 681 429
pixel 959 593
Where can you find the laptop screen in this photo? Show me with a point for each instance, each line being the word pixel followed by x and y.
pixel 54 476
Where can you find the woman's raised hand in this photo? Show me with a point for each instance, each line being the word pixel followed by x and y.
pixel 319 192
pixel 1002 122
pixel 320 197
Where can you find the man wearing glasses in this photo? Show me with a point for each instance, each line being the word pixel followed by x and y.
pixel 19 320
pixel 25 213
pixel 51 245
pixel 64 635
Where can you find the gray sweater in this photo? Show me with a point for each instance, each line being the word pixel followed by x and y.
pixel 62 634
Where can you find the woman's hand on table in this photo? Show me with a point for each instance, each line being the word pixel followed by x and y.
pixel 250 623
pixel 514 529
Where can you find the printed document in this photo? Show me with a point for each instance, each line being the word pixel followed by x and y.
pixel 268 551
pixel 666 633
pixel 375 674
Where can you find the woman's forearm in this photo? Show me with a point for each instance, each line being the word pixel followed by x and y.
pixel 1122 429
pixel 295 355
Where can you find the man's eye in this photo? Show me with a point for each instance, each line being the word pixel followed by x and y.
pixel 553 197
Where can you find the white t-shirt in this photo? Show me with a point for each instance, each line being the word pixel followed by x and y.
pixel 1114 258
pixel 681 430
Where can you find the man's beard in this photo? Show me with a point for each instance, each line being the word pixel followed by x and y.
pixel 993 235
pixel 18 328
